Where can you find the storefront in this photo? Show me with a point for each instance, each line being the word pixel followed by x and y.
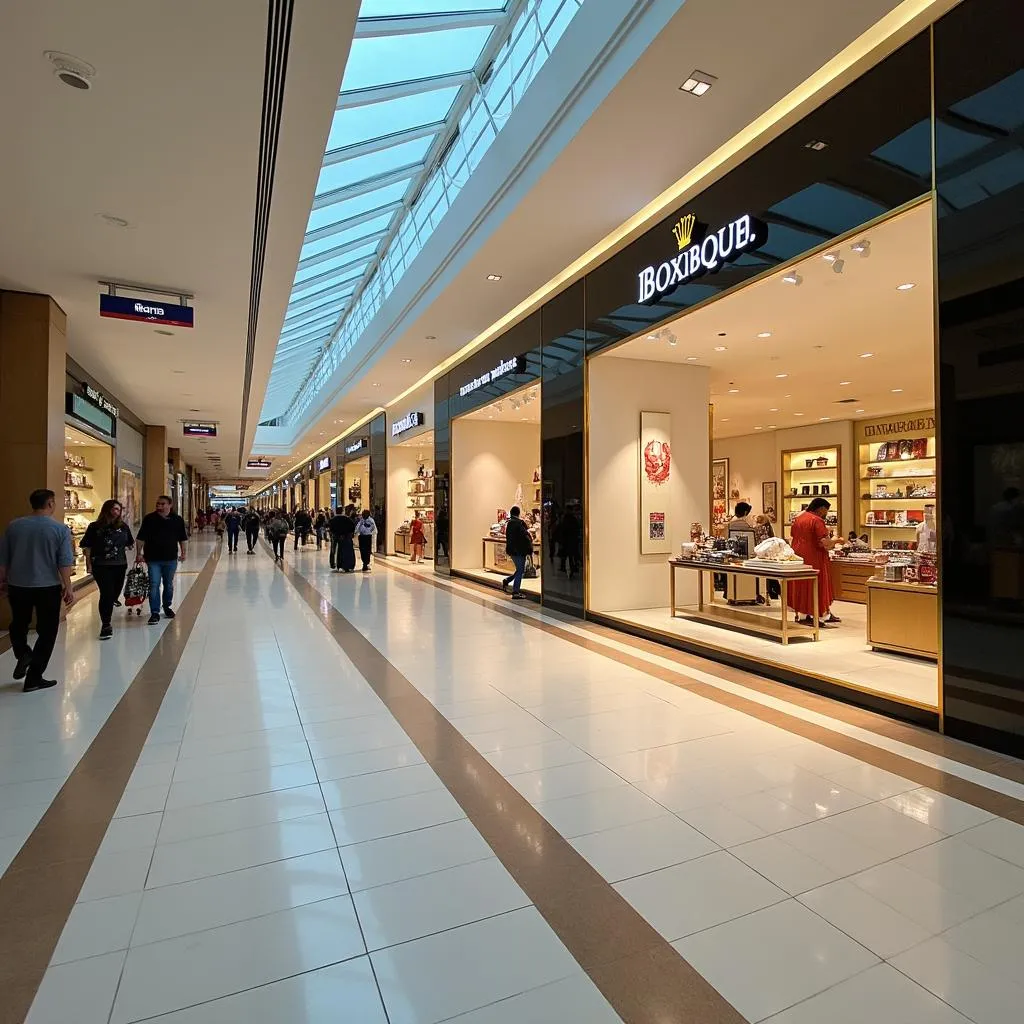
pixel 410 438
pixel 325 490
pixel 361 476
pixel 773 343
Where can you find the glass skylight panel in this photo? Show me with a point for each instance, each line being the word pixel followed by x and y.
pixel 367 229
pixel 403 8
pixel 1001 105
pixel 356 205
pixel 384 60
pixel 364 252
pixel 354 125
pixel 372 165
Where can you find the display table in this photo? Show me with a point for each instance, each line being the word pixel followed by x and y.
pixel 495 559
pixel 850 579
pixel 717 614
pixel 904 617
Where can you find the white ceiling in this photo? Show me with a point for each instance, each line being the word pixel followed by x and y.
pixel 167 139
pixel 640 141
pixel 821 333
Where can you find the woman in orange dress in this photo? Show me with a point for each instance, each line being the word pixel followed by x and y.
pixel 811 541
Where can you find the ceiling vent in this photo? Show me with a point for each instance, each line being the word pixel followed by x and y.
pixel 70 70
pixel 847 401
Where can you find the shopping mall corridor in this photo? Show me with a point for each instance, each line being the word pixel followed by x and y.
pixel 393 799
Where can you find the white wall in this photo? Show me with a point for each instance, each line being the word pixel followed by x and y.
pixel 835 432
pixel 753 460
pixel 402 466
pixel 619 390
pixel 488 461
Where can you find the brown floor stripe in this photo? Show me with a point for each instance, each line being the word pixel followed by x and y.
pixel 39 888
pixel 644 979
pixel 941 781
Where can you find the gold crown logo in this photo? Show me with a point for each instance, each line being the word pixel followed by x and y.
pixel 684 230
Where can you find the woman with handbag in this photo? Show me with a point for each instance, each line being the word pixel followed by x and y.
pixel 104 544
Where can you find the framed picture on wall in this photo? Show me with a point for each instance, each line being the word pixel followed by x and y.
pixel 719 494
pixel 655 473
pixel 770 500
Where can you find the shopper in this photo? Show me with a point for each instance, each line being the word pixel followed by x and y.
pixel 417 537
pixel 233 524
pixel 812 541
pixel 321 528
pixel 303 524
pixel 164 543
pixel 201 521
pixel 277 533
pixel 365 529
pixel 518 547
pixel 36 558
pixel 251 525
pixel 105 543
pixel 342 527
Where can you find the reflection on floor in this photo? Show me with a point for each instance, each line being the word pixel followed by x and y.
pixel 841 654
pixel 490 578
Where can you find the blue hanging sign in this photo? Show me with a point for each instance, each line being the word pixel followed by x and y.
pixel 120 307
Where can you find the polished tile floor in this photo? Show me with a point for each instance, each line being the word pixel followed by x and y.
pixel 283 851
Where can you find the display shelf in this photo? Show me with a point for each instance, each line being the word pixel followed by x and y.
pixel 796 475
pixel 913 432
pixel 79 469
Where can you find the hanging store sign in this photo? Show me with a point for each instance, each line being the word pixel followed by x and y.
pixel 98 398
pixel 120 307
pixel 356 446
pixel 517 364
pixel 258 464
pixel 199 429
pixel 700 252
pixel 323 464
pixel 407 422
pixel 296 478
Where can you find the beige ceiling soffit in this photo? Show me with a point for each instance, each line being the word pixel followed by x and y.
pixel 334 440
pixel 867 50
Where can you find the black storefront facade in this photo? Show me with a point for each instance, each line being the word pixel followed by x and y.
pixel 932 122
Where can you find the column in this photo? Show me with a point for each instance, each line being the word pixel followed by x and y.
pixel 154 482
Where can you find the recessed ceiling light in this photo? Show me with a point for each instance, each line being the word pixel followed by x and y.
pixel 866 355
pixel 771 426
pixel 773 410
pixel 905 287
pixel 724 419
pixel 862 248
pixel 376 384
pixel 823 418
pixel 494 277
pixel 859 410
pixel 765 334
pixel 698 83
pixel 406 360
pixel 734 391
pixel 720 348
pixel 897 391
pixel 673 342
pixel 798 414
pixel 759 428
pixel 781 376
pixel 830 257
pixel 691 359
pixel 793 278
pixel 843 383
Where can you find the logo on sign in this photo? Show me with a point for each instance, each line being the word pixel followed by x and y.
pixel 517 364
pixel 356 446
pixel 323 464
pixel 413 419
pixel 199 429
pixel 258 464
pixel 700 252
pixel 98 398
pixel 121 307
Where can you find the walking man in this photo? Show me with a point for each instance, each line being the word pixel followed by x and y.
pixel 303 524
pixel 365 529
pixel 518 546
pixel 164 543
pixel 233 522
pixel 251 525
pixel 36 557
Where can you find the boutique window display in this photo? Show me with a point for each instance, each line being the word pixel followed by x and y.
pixel 88 480
pixel 419 505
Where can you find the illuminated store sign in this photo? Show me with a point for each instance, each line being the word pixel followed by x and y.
pixel 356 446
pixel 323 464
pixel 119 307
pixel 199 429
pixel 296 478
pixel 517 364
pixel 258 464
pixel 413 419
pixel 98 398
pixel 700 252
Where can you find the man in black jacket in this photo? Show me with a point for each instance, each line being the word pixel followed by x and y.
pixel 251 525
pixel 518 546
pixel 341 528
pixel 303 524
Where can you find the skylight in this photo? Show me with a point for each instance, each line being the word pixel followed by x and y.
pixel 425 79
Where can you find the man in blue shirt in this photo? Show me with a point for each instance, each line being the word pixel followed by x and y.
pixel 36 558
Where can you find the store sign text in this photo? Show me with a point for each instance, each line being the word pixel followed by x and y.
pixel 323 464
pixel 700 252
pixel 199 429
pixel 910 426
pixel 407 422
pixel 258 464
pixel 98 398
pixel 517 364
pixel 356 446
